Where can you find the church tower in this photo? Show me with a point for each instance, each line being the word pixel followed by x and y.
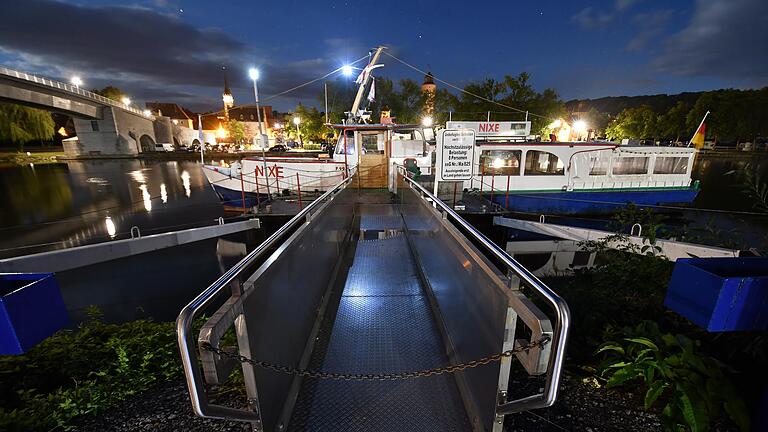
pixel 428 88
pixel 229 100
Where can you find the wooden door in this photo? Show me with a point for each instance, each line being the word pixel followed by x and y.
pixel 373 168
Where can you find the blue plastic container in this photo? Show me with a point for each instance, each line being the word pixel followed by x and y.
pixel 31 309
pixel 721 294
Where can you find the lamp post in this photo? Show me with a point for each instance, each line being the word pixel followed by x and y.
pixel 76 81
pixel 296 121
pixel 253 73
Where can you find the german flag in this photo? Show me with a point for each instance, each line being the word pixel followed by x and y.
pixel 698 138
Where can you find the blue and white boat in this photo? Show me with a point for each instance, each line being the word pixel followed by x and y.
pixel 575 177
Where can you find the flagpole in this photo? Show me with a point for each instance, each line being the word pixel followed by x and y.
pixel 697 129
pixel 202 139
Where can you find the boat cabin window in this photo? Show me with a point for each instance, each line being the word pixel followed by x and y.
pixel 500 162
pixel 350 143
pixel 543 163
pixel 598 165
pixel 630 165
pixel 372 143
pixel 670 165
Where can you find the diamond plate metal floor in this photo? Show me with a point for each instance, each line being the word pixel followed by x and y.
pixel 383 324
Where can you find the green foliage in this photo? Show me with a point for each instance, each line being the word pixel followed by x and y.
pixel 20 124
pixel 75 373
pixel 311 127
pixel 633 123
pixel 756 188
pixel 111 92
pixel 691 388
pixel 236 130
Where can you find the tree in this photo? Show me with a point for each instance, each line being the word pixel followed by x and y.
pixel 636 123
pixel 111 92
pixel 672 124
pixel 311 124
pixel 20 125
pixel 236 130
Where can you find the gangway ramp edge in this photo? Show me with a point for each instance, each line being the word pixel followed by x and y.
pixel 372 310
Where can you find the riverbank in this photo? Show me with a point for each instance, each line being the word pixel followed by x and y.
pixel 15 158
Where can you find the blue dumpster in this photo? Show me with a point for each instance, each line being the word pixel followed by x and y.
pixel 31 309
pixel 721 294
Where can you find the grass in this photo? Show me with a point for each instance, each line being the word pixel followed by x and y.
pixel 22 158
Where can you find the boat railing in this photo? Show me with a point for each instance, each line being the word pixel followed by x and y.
pixel 519 277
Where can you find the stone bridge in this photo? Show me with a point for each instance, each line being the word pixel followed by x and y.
pixel 104 127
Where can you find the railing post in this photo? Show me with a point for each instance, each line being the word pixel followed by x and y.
pixel 506 201
pixel 242 189
pixel 493 180
pixel 298 186
pixel 258 198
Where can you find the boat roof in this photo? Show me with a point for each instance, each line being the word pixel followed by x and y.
pixel 375 126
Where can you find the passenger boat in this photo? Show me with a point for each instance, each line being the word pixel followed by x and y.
pixel 575 177
pixel 370 148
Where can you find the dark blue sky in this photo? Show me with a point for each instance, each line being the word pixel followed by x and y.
pixel 173 50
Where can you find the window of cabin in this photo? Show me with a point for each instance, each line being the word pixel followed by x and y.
pixel 372 142
pixel 241 116
pixel 543 163
pixel 670 165
pixel 251 117
pixel 633 165
pixel 408 143
pixel 598 165
pixel 350 143
pixel 500 162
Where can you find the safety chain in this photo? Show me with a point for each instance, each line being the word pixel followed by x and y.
pixel 309 373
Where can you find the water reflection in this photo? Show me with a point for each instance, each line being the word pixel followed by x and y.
pixel 111 230
pixel 67 204
pixel 185 180
pixel 146 197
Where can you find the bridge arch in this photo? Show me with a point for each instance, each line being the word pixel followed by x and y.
pixel 147 143
pixel 196 142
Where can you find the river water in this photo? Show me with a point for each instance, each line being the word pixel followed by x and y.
pixel 61 205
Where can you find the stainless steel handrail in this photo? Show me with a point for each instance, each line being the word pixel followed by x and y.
pixel 70 88
pixel 563 315
pixel 186 339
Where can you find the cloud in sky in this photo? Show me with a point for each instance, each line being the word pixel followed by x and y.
pixel 590 18
pixel 724 38
pixel 144 51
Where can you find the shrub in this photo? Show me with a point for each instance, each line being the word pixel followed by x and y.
pixel 690 387
pixel 74 373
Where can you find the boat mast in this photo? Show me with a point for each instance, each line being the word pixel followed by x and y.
pixel 367 75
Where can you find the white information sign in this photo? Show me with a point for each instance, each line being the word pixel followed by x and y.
pixel 497 129
pixel 455 154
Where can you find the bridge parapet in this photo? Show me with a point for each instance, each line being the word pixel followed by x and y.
pixel 69 88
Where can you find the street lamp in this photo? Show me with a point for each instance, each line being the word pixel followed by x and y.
pixel 296 121
pixel 147 112
pixel 253 73
pixel 76 81
pixel 427 121
pixel 125 100
pixel 346 70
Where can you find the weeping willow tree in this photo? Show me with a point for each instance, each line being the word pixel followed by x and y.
pixel 20 125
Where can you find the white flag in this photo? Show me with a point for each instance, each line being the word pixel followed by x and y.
pixel 372 93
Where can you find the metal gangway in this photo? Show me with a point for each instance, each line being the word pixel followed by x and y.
pixel 375 310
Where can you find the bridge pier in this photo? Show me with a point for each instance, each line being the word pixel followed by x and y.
pixel 116 133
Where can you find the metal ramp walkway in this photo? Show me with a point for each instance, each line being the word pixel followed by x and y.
pixel 383 325
pixel 347 318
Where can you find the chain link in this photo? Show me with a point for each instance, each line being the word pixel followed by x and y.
pixel 309 373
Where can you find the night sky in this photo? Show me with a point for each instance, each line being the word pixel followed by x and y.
pixel 173 50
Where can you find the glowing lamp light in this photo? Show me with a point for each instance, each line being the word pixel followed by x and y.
pixel 427 121
pixel 296 120
pixel 498 163
pixel 76 81
pixel 221 133
pixel 346 70
pixel 253 73
pixel 556 124
pixel 579 126
pixel 126 100
pixel 278 126
pixel 147 112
